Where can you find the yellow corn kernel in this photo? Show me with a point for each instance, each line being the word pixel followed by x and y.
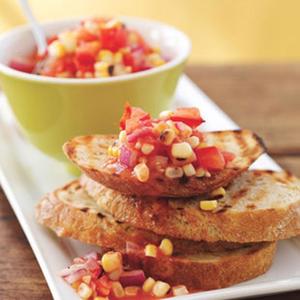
pixel 113 151
pixel 182 150
pixel 167 136
pixel 113 23
pixel 173 172
pixel 101 74
pixel 84 291
pixel 87 279
pixel 155 59
pixel 105 56
pixel 91 26
pixel 208 205
pixel 148 285
pixel 165 114
pixel 147 148
pixel 76 284
pixel 160 289
pixel 151 250
pixel 138 145
pixel 68 40
pixel 179 290
pixel 88 75
pixel 111 261
pixel 115 275
pixel 166 247
pixel 101 298
pixel 200 172
pixel 184 130
pixel 171 125
pixel 56 49
pixel 193 141
pixel 101 67
pixel 118 290
pixel 131 290
pixel 118 57
pixel 189 170
pixel 122 136
pixel 160 127
pixel 141 172
pixel 218 192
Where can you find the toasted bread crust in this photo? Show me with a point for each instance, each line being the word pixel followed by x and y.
pixel 253 210
pixel 191 263
pixel 89 153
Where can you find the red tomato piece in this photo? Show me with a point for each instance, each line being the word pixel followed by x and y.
pixel 103 285
pixel 136 60
pixel 22 64
pixel 188 115
pixel 84 36
pixel 114 38
pixel 228 156
pixel 139 134
pixel 125 116
pixel 85 55
pixel 210 158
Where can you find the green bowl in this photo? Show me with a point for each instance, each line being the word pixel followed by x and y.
pixel 52 110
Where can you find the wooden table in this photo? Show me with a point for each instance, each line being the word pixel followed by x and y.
pixel 265 98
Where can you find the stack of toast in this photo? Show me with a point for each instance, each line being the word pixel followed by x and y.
pixel 234 242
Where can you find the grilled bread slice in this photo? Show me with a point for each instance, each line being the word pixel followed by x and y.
pixel 258 206
pixel 89 153
pixel 70 212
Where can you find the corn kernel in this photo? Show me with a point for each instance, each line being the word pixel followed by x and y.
pixel 208 205
pixel 131 290
pixel 56 49
pixel 151 250
pixel 68 40
pixel 172 126
pixel 193 141
pixel 105 56
pixel 101 298
pixel 182 150
pixel 160 289
pixel 101 74
pixel 179 290
pixel 147 149
pixel 101 66
pixel 113 23
pixel 91 26
pixel 76 284
pixel 115 275
pixel 111 261
pixel 138 145
pixel 113 151
pixel 141 172
pixel 148 285
pixel 207 174
pixel 200 172
pixel 155 60
pixel 218 192
pixel 184 130
pixel 189 170
pixel 88 75
pixel 122 136
pixel 160 127
pixel 118 57
pixel 165 114
pixel 174 172
pixel 87 279
pixel 118 290
pixel 84 291
pixel 167 136
pixel 166 247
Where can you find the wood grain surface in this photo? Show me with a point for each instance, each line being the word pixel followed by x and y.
pixel 264 98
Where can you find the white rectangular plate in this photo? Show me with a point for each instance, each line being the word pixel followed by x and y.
pixel 26 174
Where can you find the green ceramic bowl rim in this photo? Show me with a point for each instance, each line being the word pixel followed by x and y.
pixel 184 47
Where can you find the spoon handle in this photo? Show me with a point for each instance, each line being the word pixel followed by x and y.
pixel 37 31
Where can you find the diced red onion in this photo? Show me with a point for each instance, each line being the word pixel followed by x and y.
pixel 94 255
pixel 127 157
pixel 75 276
pixel 72 269
pixel 129 278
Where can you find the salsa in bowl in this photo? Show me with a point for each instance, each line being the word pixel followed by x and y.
pixel 52 109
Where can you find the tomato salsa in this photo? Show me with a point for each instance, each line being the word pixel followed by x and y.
pixel 96 48
pixel 171 144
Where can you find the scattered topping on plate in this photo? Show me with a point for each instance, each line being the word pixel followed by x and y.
pixel 171 144
pixel 96 48
pixel 97 278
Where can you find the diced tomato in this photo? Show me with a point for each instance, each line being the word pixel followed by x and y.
pixel 136 60
pixel 22 64
pixel 131 125
pixel 210 158
pixel 103 285
pixel 85 36
pixel 188 115
pixel 85 56
pixel 228 156
pixel 125 116
pixel 113 38
pixel 139 134
pixel 137 112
